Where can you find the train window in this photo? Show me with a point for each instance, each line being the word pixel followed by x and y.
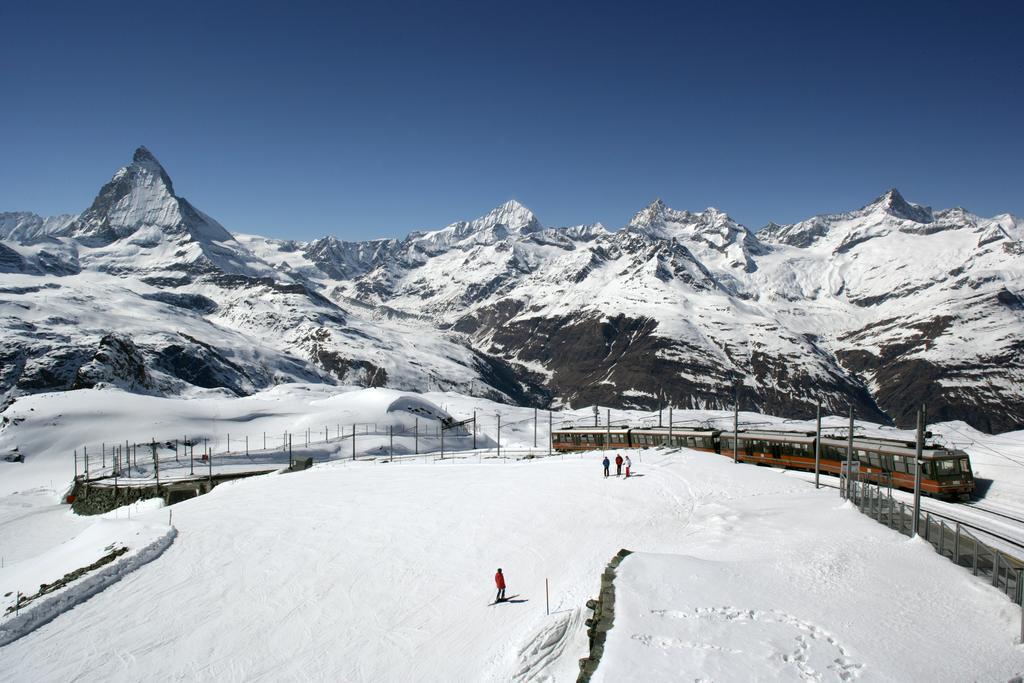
pixel 965 465
pixel 945 467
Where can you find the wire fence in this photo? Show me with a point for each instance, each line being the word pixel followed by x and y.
pixel 155 460
pixel 949 539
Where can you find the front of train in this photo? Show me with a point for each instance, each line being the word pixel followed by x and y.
pixel 952 474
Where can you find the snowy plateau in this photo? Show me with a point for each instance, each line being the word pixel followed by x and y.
pixel 143 321
pixel 380 568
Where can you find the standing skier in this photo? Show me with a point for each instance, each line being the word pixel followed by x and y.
pixel 618 465
pixel 499 580
pixel 606 466
pixel 629 463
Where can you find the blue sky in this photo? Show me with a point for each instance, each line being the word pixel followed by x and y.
pixel 296 120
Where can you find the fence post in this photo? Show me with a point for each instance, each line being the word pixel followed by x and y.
pixel 956 544
pixel 995 568
pixel 1020 601
pixel 927 524
pixel 974 543
pixel 903 514
pixel 416 437
pixel 942 534
pixel 246 445
pixel 353 442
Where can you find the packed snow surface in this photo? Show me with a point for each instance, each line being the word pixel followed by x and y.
pixel 377 570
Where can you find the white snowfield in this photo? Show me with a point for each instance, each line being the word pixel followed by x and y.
pixel 377 571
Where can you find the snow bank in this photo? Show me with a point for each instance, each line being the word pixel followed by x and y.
pixel 129 544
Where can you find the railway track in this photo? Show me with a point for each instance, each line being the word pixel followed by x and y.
pixel 997 513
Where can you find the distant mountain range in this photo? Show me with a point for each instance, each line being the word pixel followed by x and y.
pixel 886 307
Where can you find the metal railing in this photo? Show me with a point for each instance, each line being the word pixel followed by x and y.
pixel 948 538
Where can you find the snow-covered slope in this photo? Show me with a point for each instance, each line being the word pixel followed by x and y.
pixel 145 292
pixel 884 308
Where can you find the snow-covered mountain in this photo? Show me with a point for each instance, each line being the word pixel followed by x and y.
pixel 885 307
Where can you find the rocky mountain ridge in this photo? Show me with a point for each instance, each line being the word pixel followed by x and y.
pixel 884 307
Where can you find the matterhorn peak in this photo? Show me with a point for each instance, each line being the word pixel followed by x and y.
pixel 143 155
pixel 140 197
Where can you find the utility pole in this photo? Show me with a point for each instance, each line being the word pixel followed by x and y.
pixel 670 425
pixel 391 443
pixel 499 434
pixel 534 427
pixel 736 425
pixel 416 436
pixel 918 462
pixel 441 432
pixel 353 442
pixel 156 465
pixel 849 453
pixel 474 430
pixel 596 412
pixel 817 450
pixel 551 435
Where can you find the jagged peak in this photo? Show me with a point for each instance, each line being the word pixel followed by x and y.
pixel 657 213
pixel 893 203
pixel 144 156
pixel 513 215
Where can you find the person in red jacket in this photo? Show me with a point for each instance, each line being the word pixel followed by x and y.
pixel 618 465
pixel 499 580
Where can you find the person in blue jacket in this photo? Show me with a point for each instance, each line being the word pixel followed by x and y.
pixel 606 465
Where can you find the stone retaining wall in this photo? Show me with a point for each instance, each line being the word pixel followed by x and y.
pixel 604 615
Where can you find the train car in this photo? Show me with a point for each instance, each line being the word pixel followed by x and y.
pixel 945 474
pixel 589 438
pixel 778 449
pixel 696 439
